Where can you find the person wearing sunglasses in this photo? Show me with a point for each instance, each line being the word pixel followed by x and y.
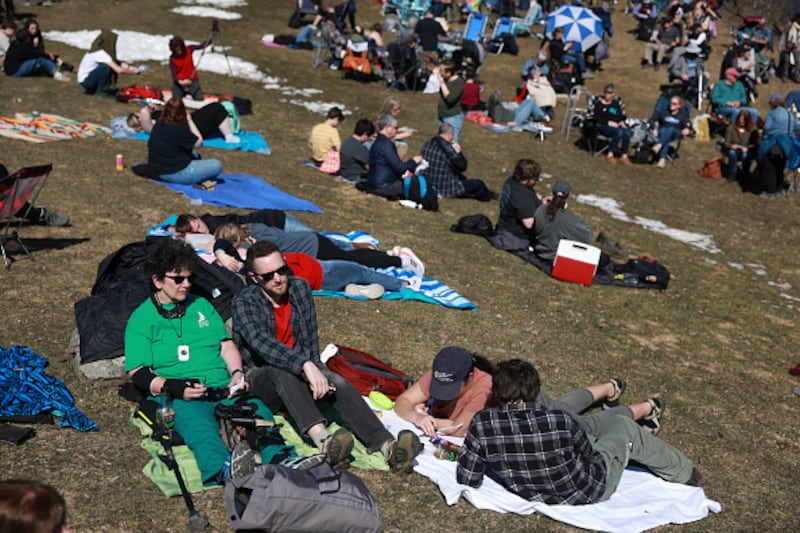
pixel 275 326
pixel 176 346
pixel 608 111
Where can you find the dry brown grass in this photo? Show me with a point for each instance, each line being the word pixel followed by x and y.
pixel 717 344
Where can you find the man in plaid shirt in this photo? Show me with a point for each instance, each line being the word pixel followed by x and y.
pixel 547 456
pixel 275 326
pixel 446 164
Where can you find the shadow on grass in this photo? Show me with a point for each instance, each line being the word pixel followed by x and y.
pixel 15 251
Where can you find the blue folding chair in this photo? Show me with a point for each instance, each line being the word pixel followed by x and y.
pixel 503 25
pixel 476 26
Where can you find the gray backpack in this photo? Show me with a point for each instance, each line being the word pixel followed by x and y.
pixel 319 499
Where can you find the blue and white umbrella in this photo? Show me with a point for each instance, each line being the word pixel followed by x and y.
pixel 581 26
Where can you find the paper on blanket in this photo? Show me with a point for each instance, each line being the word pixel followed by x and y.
pixel 247 192
pixel 642 501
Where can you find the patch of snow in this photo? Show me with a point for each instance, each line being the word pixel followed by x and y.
pixel 207 12
pixel 216 3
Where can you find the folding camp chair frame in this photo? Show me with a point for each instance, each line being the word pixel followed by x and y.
pixel 470 33
pixel 23 186
pixel 502 25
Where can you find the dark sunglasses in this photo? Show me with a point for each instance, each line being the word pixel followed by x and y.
pixel 179 279
pixel 267 276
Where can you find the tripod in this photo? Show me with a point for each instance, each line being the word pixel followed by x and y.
pixel 215 38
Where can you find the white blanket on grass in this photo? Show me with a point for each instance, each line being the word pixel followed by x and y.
pixel 642 501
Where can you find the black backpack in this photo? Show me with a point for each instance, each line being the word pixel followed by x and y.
pixel 649 270
pixel 417 189
pixel 478 224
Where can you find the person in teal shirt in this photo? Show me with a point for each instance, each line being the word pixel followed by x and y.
pixel 176 346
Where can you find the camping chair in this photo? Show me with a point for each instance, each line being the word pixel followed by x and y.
pixel 504 25
pixel 475 28
pixel 356 63
pixel 415 9
pixel 533 16
pixel 576 109
pixel 20 188
pixel 324 47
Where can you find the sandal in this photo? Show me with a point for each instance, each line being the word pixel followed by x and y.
pixel 619 389
pixel 208 185
pixel 652 422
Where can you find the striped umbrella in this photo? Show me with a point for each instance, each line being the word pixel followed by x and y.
pixel 580 26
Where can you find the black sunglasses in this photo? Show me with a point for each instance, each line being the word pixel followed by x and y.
pixel 267 276
pixel 179 279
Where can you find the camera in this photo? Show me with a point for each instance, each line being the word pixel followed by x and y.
pixel 215 26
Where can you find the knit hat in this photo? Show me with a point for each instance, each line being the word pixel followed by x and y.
pixel 561 189
pixel 451 367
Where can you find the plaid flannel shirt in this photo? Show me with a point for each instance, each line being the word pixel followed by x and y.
pixel 538 454
pixel 439 155
pixel 255 334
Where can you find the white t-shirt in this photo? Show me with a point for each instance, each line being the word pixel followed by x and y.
pixel 90 62
pixel 5 42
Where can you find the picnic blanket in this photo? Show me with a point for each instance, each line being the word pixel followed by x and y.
pixel 42 127
pixel 249 141
pixel 641 502
pixel 27 390
pixel 247 192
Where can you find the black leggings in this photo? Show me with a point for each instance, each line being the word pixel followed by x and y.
pixel 366 257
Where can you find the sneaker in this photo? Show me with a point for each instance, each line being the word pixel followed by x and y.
pixel 661 163
pixel 410 261
pixel 232 139
pixel 403 451
pixel 611 246
pixel 625 160
pixel 372 291
pixel 299 462
pixel 243 461
pixel 696 479
pixel 337 447
pixel 619 389
pixel 60 76
pixel 56 219
pixel 652 422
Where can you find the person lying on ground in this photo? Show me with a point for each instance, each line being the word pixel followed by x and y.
pixel 354 155
pixel 446 164
pixel 212 120
pixel 172 144
pixel 32 214
pixel 185 79
pixel 275 325
pixel 99 68
pixel 386 169
pixel 459 385
pixel 324 136
pixel 176 345
pixel 572 467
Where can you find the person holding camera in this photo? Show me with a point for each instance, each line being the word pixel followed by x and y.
pixel 176 345
pixel 185 80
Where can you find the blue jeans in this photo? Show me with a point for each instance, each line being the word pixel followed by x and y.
pixel 734 157
pixel 457 122
pixel 477 189
pixel 526 110
pixel 666 136
pixel 98 80
pixel 292 224
pixel 619 136
pixel 26 68
pixel 574 58
pixel 198 171
pixel 733 112
pixel 337 274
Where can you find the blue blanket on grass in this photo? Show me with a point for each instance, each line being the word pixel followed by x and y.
pixel 245 191
pixel 249 141
pixel 26 390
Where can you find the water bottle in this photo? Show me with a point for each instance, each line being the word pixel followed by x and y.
pixel 165 414
pixel 120 162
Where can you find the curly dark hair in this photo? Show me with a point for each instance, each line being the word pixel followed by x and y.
pixel 168 255
pixel 27 505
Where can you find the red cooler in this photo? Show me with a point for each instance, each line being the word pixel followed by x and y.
pixel 576 262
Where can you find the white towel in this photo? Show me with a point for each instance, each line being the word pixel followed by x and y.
pixel 642 500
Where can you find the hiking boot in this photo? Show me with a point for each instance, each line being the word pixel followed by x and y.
pixel 372 291
pixel 243 461
pixel 403 451
pixel 652 422
pixel 299 462
pixel 55 219
pixel 696 479
pixel 337 447
pixel 619 389
pixel 610 246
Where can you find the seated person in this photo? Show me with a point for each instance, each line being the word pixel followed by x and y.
pixel 391 105
pixel 471 96
pixel 608 112
pixel 354 155
pixel 7 29
pixel 730 97
pixel 170 149
pixel 503 442
pixel 741 140
pixel 176 345
pixel 518 204
pixel 325 137
pixel 32 506
pixel 670 125
pixel 386 169
pixel 212 120
pixel 275 324
pixel 776 148
pixel 446 165
pixel 646 15
pixel 185 78
pixel 538 96
pixel 32 214
pixel 562 53
pixel 687 65
pixel 662 42
pixel 99 68
pixel 25 59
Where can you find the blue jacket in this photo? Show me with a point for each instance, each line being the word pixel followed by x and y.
pixel 385 166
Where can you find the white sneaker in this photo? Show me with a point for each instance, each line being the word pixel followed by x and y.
pixel 232 139
pixel 60 76
pixel 371 292
pixel 661 163
pixel 411 262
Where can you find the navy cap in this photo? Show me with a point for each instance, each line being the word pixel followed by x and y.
pixel 451 367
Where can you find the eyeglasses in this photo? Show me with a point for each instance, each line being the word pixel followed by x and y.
pixel 267 276
pixel 179 279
